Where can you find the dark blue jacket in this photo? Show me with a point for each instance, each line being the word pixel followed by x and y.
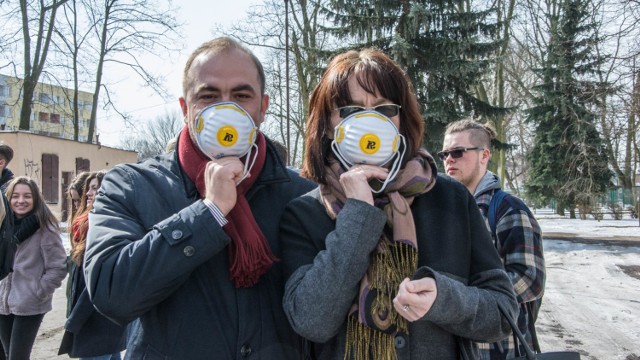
pixel 87 332
pixel 156 252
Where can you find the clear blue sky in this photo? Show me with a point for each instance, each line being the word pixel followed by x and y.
pixel 141 103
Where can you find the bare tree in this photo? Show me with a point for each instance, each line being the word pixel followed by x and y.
pixel 265 29
pixel 123 31
pixel 36 28
pixel 619 112
pixel 70 43
pixel 155 136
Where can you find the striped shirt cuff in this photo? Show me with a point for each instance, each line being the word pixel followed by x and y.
pixel 217 214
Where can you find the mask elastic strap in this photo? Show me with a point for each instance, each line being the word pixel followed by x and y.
pixel 338 154
pixel 395 168
pixel 248 163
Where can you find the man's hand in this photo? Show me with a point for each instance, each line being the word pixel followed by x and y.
pixel 221 177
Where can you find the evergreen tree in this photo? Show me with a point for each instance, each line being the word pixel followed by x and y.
pixel 568 161
pixel 445 47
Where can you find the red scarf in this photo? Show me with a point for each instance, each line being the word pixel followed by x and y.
pixel 249 253
pixel 79 229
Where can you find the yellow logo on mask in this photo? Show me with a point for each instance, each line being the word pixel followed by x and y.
pixel 369 143
pixel 227 135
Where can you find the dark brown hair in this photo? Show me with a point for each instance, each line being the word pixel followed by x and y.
pixel 77 184
pixel 92 175
pixel 6 152
pixel 40 208
pixel 373 70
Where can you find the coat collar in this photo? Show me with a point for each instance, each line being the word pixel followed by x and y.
pixel 274 171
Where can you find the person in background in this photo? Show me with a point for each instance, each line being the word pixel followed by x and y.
pixel 386 259
pixel 516 235
pixel 6 175
pixel 39 267
pixel 75 193
pixel 88 334
pixel 188 241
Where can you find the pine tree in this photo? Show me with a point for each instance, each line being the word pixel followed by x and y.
pixel 445 47
pixel 568 161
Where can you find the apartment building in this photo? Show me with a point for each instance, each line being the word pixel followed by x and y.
pixel 47 152
pixel 51 114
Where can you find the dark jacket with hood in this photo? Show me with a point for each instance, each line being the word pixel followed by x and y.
pixel 5 178
pixel 156 252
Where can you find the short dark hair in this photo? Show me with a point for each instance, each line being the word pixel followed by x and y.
pixel 282 151
pixel 221 45
pixel 6 152
pixel 373 70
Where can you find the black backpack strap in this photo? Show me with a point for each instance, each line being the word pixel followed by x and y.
pixel 492 215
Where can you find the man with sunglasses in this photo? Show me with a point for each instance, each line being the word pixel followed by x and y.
pixel 515 231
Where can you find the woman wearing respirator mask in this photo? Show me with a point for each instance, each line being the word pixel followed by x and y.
pixel 409 247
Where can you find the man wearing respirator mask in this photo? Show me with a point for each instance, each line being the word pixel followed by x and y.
pixel 188 242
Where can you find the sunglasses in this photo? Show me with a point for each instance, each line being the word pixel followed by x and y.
pixel 456 153
pixel 388 110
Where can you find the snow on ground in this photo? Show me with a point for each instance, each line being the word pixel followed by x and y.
pixel 592 297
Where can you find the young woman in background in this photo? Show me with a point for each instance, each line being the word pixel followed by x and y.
pixel 39 267
pixel 88 335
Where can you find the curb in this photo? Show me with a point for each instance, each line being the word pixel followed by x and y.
pixel 611 241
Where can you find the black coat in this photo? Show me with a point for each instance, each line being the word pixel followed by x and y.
pixel 87 332
pixel 156 252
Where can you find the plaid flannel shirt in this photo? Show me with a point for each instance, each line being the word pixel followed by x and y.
pixel 519 242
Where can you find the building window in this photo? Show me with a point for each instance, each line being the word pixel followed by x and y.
pixel 50 181
pixel 82 165
pixel 4 91
pixel 55 118
pixel 43 116
pixel 45 98
pixel 4 111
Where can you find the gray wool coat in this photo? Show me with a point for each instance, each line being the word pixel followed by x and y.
pixel 325 260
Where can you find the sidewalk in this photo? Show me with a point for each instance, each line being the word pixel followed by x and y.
pixel 625 232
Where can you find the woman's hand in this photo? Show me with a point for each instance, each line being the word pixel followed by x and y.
pixel 355 182
pixel 415 298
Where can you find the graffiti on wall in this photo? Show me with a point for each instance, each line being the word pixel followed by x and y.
pixel 32 169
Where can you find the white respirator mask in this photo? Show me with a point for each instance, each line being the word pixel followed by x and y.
pixel 368 137
pixel 226 129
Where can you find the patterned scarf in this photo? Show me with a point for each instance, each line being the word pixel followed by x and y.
pixel 372 321
pixel 249 253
